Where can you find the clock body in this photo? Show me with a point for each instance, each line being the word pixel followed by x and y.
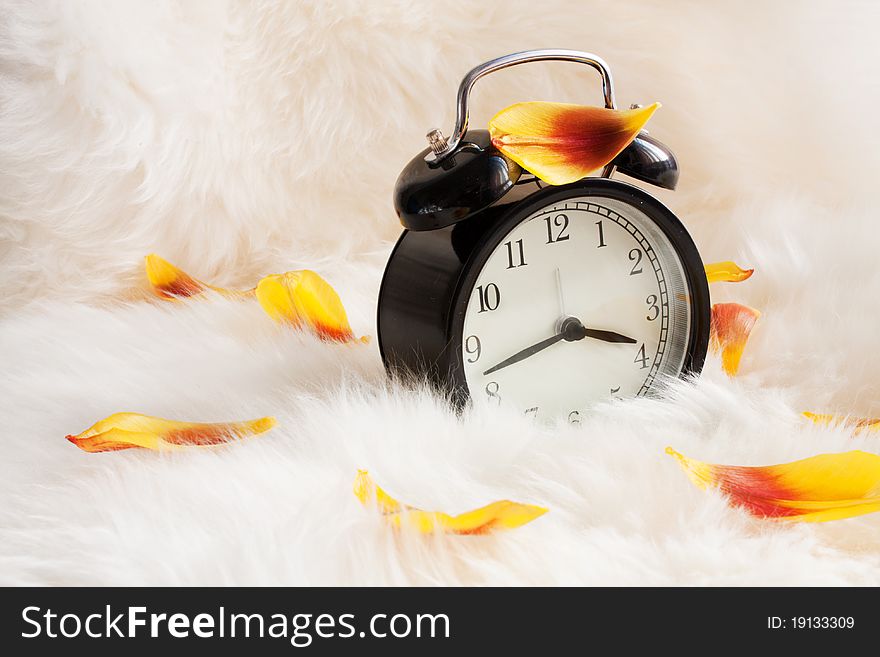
pixel 548 301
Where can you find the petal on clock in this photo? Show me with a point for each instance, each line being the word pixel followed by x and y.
pixel 129 430
pixel 858 424
pixel 303 299
pixel 170 282
pixel 732 323
pixel 561 143
pixel 496 516
pixel 815 489
pixel 727 272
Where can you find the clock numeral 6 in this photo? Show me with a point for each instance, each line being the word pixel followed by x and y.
pixel 574 417
pixel 560 221
pixel 635 257
pixel 520 259
pixel 652 307
pixel 492 392
pixel 490 297
pixel 642 358
pixel 473 347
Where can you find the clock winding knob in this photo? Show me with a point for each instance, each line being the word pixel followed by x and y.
pixel 437 141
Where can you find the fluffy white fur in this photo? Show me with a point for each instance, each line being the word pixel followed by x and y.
pixel 239 139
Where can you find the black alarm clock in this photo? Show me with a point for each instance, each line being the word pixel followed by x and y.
pixel 504 290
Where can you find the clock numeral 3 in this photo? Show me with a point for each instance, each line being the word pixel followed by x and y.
pixel 642 358
pixel 652 307
pixel 473 347
pixel 601 234
pixel 560 222
pixel 635 257
pixel 489 295
pixel 492 392
pixel 518 259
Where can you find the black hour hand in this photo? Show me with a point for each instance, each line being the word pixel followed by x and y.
pixel 608 336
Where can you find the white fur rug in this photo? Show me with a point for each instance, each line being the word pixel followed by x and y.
pixel 240 139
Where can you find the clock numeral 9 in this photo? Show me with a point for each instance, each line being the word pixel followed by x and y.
pixel 635 257
pixel 473 347
pixel 520 260
pixel 492 392
pixel 490 297
pixel 652 307
pixel 560 222
pixel 642 358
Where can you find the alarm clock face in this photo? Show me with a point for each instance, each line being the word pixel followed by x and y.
pixel 579 298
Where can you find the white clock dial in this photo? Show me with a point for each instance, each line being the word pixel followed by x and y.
pixel 597 270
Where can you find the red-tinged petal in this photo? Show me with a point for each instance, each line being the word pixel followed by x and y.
pixel 128 430
pixel 170 282
pixel 858 424
pixel 815 489
pixel 727 272
pixel 303 299
pixel 732 323
pixel 561 143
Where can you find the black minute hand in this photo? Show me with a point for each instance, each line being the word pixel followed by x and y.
pixel 525 353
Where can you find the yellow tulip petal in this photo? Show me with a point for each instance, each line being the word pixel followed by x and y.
pixel 128 430
pixel 170 282
pixel 732 324
pixel 815 489
pixel 727 272
pixel 303 299
pixel 856 423
pixel 498 515
pixel 367 491
pixel 561 143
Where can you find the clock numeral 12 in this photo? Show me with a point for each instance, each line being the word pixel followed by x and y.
pixel 490 297
pixel 521 260
pixel 560 222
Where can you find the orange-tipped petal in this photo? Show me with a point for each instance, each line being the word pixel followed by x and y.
pixel 305 300
pixel 170 282
pixel 732 323
pixel 816 489
pixel 561 143
pixel 856 423
pixel 128 430
pixel 727 272
pixel 498 515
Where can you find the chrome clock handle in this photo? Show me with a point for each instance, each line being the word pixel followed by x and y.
pixel 441 147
